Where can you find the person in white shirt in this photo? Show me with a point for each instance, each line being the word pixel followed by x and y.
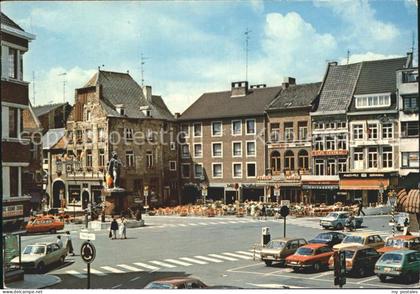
pixel 59 242
pixel 69 244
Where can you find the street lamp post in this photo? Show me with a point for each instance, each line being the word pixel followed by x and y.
pixel 392 201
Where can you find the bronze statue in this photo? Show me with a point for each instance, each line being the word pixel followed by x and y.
pixel 114 169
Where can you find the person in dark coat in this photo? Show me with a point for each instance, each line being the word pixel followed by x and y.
pixel 114 228
pixel 360 210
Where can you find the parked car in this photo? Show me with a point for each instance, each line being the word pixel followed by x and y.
pixel 336 220
pixel 401 242
pixel 313 256
pixel 400 263
pixel 44 224
pixel 278 249
pixel 359 260
pixel 329 238
pixel 359 239
pixel 400 219
pixel 41 255
pixel 176 283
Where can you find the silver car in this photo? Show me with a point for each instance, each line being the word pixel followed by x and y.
pixel 41 255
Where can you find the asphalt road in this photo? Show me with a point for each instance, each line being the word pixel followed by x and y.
pixel 218 251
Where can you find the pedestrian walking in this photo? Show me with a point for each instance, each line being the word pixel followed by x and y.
pixel 263 212
pixel 406 225
pixel 360 209
pixel 123 228
pixel 114 228
pixel 59 241
pixel 69 244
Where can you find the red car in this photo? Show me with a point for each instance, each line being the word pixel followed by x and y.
pixel 44 224
pixel 311 256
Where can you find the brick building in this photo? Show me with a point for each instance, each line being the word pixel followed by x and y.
pixel 14 100
pixel 112 113
pixel 289 141
pixel 224 143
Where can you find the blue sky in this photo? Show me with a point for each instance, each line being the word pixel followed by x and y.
pixel 194 47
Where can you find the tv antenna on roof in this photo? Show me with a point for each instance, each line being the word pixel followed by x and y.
pixel 142 63
pixel 348 56
pixel 247 37
pixel 33 87
pixel 64 74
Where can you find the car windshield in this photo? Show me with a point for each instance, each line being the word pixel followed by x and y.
pixel 353 239
pixel 349 253
pixel 304 251
pixel 324 236
pixel 395 243
pixel 158 286
pixel 391 258
pixel 275 244
pixel 332 214
pixel 31 249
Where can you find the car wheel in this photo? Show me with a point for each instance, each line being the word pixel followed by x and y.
pixel 53 231
pixel 316 267
pixel 382 278
pixel 361 271
pixel 296 269
pixel 40 268
pixel 339 226
pixel 268 262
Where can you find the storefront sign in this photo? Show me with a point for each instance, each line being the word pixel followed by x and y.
pixel 367 175
pixel 12 211
pixel 320 187
pixel 329 152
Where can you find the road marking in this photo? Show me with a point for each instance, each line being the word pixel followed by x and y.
pixel 133 279
pixel 222 223
pixel 178 262
pixel 246 253
pixel 146 266
pixel 182 225
pixel 223 257
pixel 162 264
pixel 276 286
pixel 237 255
pixel 116 286
pixel 204 224
pixel 367 280
pixel 113 270
pixel 96 272
pixel 208 259
pixel 130 268
pixel 233 222
pixel 321 275
pixel 192 224
pixel 171 225
pixel 76 274
pixel 193 260
pixel 213 223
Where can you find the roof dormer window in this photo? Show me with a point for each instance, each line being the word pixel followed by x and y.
pixel 146 111
pixel 373 101
pixel 120 109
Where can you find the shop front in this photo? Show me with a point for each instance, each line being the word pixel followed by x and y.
pixel 281 187
pixel 320 189
pixel 370 187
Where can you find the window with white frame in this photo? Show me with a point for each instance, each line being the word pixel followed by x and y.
pixel 382 100
pixel 172 165
pixel 251 169
pixel 372 130
pixel 358 158
pixel 372 157
pixel 198 170
pixel 330 143
pixel 88 115
pixel 410 159
pixel 217 170
pixel 237 170
pixel 288 131
pixel 275 132
pixel 101 157
pixel 198 150
pixel 185 151
pixel 128 134
pixel 387 131
pixel 89 158
pixel 358 132
pixel 216 129
pixel 13 63
pixel 236 127
pixel 101 135
pixel 217 149
pixel 250 127
pixel 319 167
pixel 387 160
pixel 197 129
pixel 331 167
pixel 341 125
pixel 89 135
pixel 289 160
pixel 149 159
pixel 319 143
pixel 330 125
pixel 251 148
pixel 342 165
pixel 184 130
pixel 410 129
pixel 303 131
pixel 14 122
pixel 185 170
pixel 318 126
pixel 342 142
pixel 236 149
pixel 129 158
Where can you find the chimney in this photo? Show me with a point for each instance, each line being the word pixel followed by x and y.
pixel 239 89
pixel 177 115
pixel 333 63
pixel 288 81
pixel 409 63
pixel 147 92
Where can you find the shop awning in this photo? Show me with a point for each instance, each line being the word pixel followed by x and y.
pixel 364 184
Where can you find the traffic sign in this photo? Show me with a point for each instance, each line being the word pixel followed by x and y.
pixel 87 236
pixel 284 211
pixel 88 252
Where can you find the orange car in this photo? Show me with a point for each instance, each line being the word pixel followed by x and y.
pixel 313 256
pixel 400 242
pixel 44 224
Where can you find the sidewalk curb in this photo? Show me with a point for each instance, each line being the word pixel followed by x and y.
pixel 56 281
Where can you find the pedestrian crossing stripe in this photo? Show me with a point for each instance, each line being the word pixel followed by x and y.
pixel 193 260
pixel 112 270
pixel 162 264
pixel 96 272
pixel 151 267
pixel 76 274
pixel 246 253
pixel 130 268
pixel 223 257
pixel 178 262
pixel 208 259
pixel 237 255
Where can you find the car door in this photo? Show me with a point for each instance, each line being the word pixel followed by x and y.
pixel 48 255
pixel 324 254
pixel 378 242
pixel 370 241
pixel 56 253
pixel 371 257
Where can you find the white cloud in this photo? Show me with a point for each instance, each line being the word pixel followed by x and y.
pixel 367 56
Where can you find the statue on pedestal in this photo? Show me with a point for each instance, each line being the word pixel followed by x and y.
pixel 114 170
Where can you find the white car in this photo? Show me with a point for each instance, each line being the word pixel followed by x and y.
pixel 40 255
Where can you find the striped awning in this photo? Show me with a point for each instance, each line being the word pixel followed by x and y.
pixel 409 201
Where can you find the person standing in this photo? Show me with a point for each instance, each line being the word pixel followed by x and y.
pixel 59 241
pixel 123 228
pixel 360 209
pixel 406 225
pixel 69 244
pixel 114 228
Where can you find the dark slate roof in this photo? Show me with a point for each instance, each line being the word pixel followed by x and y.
pixel 221 104
pixel 338 87
pixel 7 21
pixel 43 109
pixel 379 76
pixel 121 88
pixel 295 96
